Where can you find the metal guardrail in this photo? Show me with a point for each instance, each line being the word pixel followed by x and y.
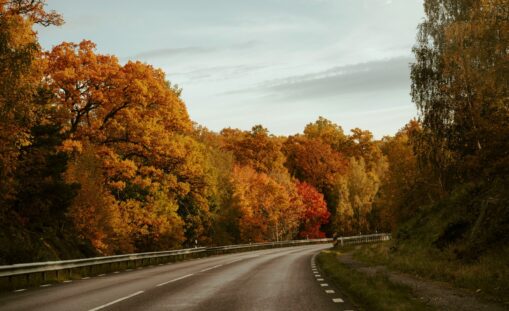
pixel 359 239
pixel 29 274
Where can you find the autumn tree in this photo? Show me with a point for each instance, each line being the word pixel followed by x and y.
pixel 267 210
pixel 404 186
pixel 20 75
pixel 315 211
pixel 460 86
pixel 139 128
pixel 358 189
pixel 327 132
pixel 255 148
pixel 315 162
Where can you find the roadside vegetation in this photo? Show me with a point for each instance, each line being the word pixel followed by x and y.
pixel 369 292
pixel 487 277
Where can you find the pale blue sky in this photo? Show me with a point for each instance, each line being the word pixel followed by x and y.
pixel 279 63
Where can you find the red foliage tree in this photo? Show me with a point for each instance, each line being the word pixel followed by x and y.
pixel 315 211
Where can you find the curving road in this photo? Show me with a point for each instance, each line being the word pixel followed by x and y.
pixel 275 279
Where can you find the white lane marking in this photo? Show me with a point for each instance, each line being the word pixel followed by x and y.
pixel 324 285
pixel 67 281
pixel 319 280
pixel 235 260
pixel 210 268
pixel 174 280
pixel 102 274
pixel 20 290
pixel 115 301
pixel 318 275
pixel 329 291
pixel 116 272
pixel 337 300
pixel 85 278
pixel 45 285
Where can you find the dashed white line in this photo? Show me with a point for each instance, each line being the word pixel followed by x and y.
pixel 20 290
pixel 85 278
pixel 324 285
pixel 115 301
pixel 337 300
pixel 329 291
pixel 210 268
pixel 116 272
pixel 102 274
pixel 174 280
pixel 45 285
pixel 67 281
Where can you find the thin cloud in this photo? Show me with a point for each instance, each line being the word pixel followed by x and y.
pixel 193 50
pixel 218 72
pixel 172 52
pixel 360 78
pixel 369 77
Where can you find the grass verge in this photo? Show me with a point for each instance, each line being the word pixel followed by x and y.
pixel 488 277
pixel 369 292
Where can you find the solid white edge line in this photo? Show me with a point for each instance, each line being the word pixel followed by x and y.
pixel 174 280
pixel 20 290
pixel 115 301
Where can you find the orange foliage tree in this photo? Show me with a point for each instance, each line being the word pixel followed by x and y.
pixel 136 124
pixel 267 209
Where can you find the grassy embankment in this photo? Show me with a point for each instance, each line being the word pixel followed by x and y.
pixel 369 292
pixel 488 276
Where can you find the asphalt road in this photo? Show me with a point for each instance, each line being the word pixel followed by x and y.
pixel 274 279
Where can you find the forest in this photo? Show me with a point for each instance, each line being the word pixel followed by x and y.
pixel 99 157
